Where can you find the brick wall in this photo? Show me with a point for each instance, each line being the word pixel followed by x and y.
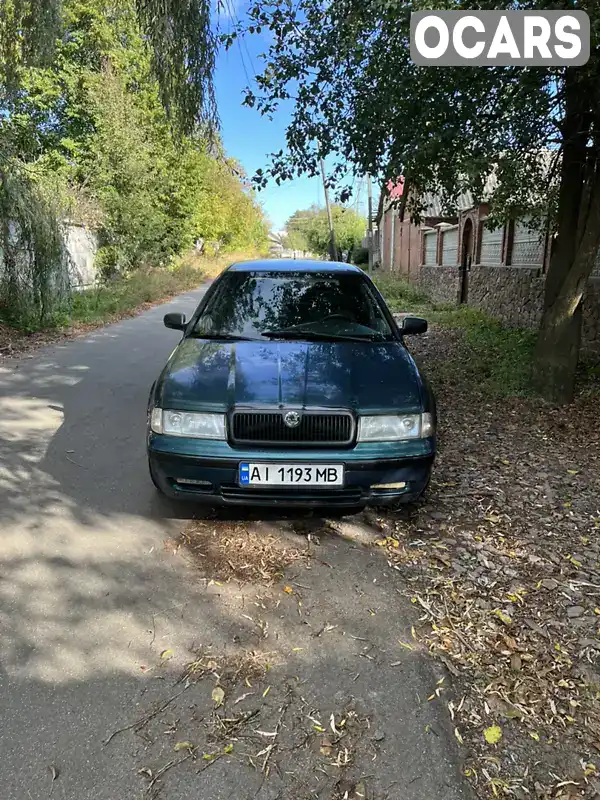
pixel 513 295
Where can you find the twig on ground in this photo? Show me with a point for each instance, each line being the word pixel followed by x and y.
pixel 140 723
pixel 169 765
pixel 211 761
pixel 271 747
pixel 75 462
pixel 459 635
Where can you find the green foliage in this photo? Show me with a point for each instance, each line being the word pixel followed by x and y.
pixel 312 227
pixel 372 110
pixel 184 48
pixel 295 239
pixel 181 40
pixel 91 125
pixel 399 294
pixel 493 360
pixel 119 297
pixel 360 257
pixel 34 265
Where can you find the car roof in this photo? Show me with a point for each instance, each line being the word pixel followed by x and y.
pixel 292 265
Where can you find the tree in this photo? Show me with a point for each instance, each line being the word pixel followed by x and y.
pixel 358 95
pixel 313 228
pixel 182 42
pixel 86 136
pixel 296 240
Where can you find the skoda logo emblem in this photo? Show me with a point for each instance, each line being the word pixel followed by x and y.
pixel 292 419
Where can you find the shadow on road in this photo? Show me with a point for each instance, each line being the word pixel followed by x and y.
pixel 99 616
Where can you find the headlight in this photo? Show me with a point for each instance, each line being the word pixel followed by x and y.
pixel 395 427
pixel 186 423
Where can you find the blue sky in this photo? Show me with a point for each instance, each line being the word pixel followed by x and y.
pixel 250 137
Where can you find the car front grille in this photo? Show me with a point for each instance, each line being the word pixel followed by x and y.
pixel 321 497
pixel 323 429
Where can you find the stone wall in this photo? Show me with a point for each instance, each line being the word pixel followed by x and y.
pixel 591 316
pixel 441 284
pixel 513 295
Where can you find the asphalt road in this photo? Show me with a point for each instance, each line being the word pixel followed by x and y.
pixel 89 596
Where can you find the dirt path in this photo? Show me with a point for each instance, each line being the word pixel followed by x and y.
pixel 322 690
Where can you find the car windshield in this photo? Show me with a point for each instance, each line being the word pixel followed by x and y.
pixel 293 305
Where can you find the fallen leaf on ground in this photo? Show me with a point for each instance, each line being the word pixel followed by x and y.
pixel 493 734
pixel 218 696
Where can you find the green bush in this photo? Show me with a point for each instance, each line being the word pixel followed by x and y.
pixel 400 295
pixel 360 256
pixel 90 131
pixel 489 358
pixel 123 295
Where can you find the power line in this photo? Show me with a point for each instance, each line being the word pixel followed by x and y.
pixel 234 16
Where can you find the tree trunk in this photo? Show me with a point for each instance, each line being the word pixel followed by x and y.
pixel 578 229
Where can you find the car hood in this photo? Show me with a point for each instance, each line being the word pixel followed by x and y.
pixel 219 375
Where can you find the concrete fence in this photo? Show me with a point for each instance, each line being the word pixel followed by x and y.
pixel 82 245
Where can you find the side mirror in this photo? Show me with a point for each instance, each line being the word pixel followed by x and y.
pixel 413 325
pixel 175 320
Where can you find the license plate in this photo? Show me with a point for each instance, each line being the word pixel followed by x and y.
pixel 291 474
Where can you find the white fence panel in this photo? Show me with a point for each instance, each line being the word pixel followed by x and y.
pixel 430 249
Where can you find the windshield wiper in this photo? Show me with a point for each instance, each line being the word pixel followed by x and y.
pixel 298 333
pixel 223 337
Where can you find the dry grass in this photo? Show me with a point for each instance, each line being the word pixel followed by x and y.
pixel 212 266
pixel 232 668
pixel 233 551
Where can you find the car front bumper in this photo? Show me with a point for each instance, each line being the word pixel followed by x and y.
pixel 403 468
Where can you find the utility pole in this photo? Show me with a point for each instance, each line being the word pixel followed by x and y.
pixel 370 207
pixel 332 247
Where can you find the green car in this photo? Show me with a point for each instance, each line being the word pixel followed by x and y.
pixel 292 386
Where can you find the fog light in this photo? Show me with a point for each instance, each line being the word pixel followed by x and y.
pixel 190 482
pixel 389 486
